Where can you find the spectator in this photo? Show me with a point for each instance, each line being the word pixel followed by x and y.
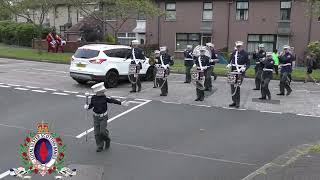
pixel 309 64
pixel 51 42
pixel 275 57
pixel 60 43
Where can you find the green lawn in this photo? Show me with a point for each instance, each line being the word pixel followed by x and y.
pixel 32 54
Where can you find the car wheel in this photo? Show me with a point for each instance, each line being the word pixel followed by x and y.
pixel 81 81
pixel 149 75
pixel 111 80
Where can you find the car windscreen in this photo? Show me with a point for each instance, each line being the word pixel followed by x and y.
pixel 86 53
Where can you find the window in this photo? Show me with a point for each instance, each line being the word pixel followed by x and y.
pixel 207 11
pixel 126 38
pixel 62 30
pixel 170 11
pixel 184 39
pixel 206 38
pixel 86 53
pixel 285 10
pixel 281 41
pixel 254 40
pixel 118 53
pixel 242 10
pixel 141 16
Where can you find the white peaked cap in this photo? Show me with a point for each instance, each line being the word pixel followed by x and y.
pixel 203 48
pixel 164 48
pixel 135 42
pixel 157 52
pixel 239 43
pixel 209 44
pixel 269 54
pixel 189 46
pixel 286 47
pixel 261 46
pixel 98 87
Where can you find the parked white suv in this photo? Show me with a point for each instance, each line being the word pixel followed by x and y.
pixel 101 62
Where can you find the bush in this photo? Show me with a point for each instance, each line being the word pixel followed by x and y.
pixel 109 39
pixel 20 33
pixel 314 48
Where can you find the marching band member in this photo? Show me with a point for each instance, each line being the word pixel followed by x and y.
pixel 60 43
pixel 203 63
pixel 238 61
pixel 258 57
pixel 156 57
pixel 99 103
pixel 51 41
pixel 213 61
pixel 267 68
pixel 136 56
pixel 188 62
pixel 286 59
pixel 165 60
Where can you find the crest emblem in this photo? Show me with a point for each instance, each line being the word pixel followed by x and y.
pixel 42 153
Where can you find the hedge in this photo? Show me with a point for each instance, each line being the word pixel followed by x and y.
pixel 21 34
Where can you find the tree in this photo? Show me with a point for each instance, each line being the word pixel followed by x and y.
pixel 118 10
pixel 4 14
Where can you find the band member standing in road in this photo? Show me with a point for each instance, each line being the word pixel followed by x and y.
pixel 286 59
pixel 238 62
pixel 214 59
pixel 267 67
pixel 99 103
pixel 310 64
pixel 165 61
pixel 275 57
pixel 188 62
pixel 202 62
pixel 258 57
pixel 136 57
pixel 156 55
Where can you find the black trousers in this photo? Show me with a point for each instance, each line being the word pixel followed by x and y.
pixel 265 87
pixel 188 74
pixel 276 69
pixel 164 84
pixel 101 133
pixel 235 91
pixel 137 84
pixel 208 79
pixel 258 78
pixel 200 93
pixel 285 82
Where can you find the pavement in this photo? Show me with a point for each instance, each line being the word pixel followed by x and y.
pixel 157 137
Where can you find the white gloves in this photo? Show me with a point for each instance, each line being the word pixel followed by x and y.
pixel 86 106
pixel 228 66
pixel 242 69
pixel 165 66
pixel 194 65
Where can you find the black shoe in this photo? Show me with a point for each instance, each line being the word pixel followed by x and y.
pixel 280 94
pixel 186 82
pixel 197 99
pixel 232 105
pixel 154 86
pixel 263 98
pixel 133 91
pixel 99 149
pixel 107 144
pixel 269 97
pixel 201 99
pixel 215 77
pixel 256 89
pixel 139 90
pixel 163 94
pixel 289 92
pixel 237 106
pixel 208 89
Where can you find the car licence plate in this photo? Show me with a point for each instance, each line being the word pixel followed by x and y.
pixel 81 65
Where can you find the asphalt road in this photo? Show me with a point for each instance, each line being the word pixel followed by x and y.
pixel 150 139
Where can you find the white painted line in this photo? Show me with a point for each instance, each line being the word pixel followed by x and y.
pixel 7 173
pixel 142 99
pixel 50 70
pixel 40 91
pixel 5 86
pixel 305 115
pixel 71 92
pixel 318 105
pixel 62 94
pixel 15 85
pixel 49 89
pixel 200 105
pixel 271 112
pixel 32 87
pixel 21 89
pixel 184 154
pixel 167 102
pixel 135 102
pixel 120 97
pixel 81 96
pixel 239 109
pixel 113 118
pixel 227 108
pixel 1 83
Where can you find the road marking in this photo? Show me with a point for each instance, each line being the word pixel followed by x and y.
pixel 49 89
pixel 200 105
pixel 32 87
pixel 21 89
pixel 141 99
pixel 42 74
pixel 183 154
pixel 71 92
pixel 1 83
pixel 318 105
pixel 113 118
pixel 305 115
pixel 49 70
pixel 167 102
pixel 4 174
pixel 120 97
pixel 81 96
pixel 62 94
pixel 5 86
pixel 271 112
pixel 40 91
pixel 15 85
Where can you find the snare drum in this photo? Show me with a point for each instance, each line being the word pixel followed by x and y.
pixel 134 68
pixel 234 78
pixel 198 75
pixel 162 72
